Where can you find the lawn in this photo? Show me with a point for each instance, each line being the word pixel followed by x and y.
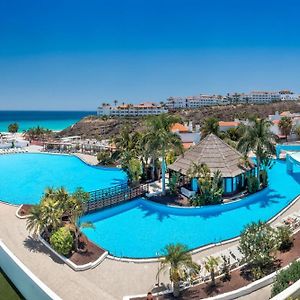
pixel 7 290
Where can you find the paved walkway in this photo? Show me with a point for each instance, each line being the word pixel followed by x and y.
pixel 110 280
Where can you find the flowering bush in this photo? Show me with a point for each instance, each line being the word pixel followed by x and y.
pixel 258 243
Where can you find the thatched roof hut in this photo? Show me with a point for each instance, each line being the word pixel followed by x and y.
pixel 216 154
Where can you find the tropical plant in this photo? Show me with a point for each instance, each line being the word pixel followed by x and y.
pixel 104 158
pixel 76 226
pixel 134 170
pixel 257 137
pixel 285 278
pixel 210 125
pixel 252 184
pixel 210 265
pixel 159 138
pixel 37 133
pixel 285 125
pixel 284 234
pixel 263 177
pixel 225 267
pixel 210 185
pixel 13 128
pixel 179 263
pixel 62 241
pixel 34 222
pixel 258 244
pixel 173 183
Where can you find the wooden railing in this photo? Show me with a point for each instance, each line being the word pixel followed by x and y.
pixel 111 196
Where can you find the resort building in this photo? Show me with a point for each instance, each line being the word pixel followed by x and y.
pixel 188 135
pixel 131 110
pixel 194 101
pixel 217 155
pixel 224 125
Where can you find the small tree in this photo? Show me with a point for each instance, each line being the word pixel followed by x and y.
pixel 284 234
pixel 134 170
pixel 285 125
pixel 179 263
pixel 252 184
pixel 210 265
pixel 62 241
pixel 258 244
pixel 13 128
pixel 173 183
pixel 104 158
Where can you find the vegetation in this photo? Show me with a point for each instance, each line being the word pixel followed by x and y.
pixel 179 263
pixel 62 241
pixel 58 209
pixel 104 158
pixel 284 234
pixel 285 125
pixel 173 183
pixel 134 171
pixel 259 243
pixel 286 277
pixel 13 128
pixel 37 133
pixel 258 138
pixel 210 265
pixel 8 291
pixel 211 125
pixel 210 185
pixel 252 184
pixel 263 178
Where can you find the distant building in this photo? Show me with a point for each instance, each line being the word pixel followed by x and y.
pixel 131 110
pixel 194 101
pixel 224 125
pixel 188 135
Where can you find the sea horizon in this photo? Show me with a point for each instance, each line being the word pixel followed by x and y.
pixel 51 119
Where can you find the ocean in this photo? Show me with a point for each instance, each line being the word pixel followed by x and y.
pixel 54 120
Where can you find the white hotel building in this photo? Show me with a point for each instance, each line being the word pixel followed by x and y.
pixel 194 101
pixel 130 110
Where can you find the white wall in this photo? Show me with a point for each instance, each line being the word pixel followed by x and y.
pixel 25 281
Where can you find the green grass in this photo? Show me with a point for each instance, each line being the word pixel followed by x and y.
pixel 7 289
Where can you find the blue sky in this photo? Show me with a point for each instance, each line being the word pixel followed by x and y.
pixel 60 54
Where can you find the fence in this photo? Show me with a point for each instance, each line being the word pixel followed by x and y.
pixel 111 196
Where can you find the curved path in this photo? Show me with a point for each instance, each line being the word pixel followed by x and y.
pixel 110 280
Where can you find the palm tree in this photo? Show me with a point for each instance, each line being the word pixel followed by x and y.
pixel 179 263
pixel 257 137
pixel 34 222
pixel 285 125
pixel 210 265
pixel 76 226
pixel 115 102
pixel 161 139
pixel 211 125
pixel 51 213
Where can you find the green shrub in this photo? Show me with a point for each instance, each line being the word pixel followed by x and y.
pixel 286 277
pixel 253 184
pixel 258 244
pixel 263 178
pixel 284 234
pixel 62 241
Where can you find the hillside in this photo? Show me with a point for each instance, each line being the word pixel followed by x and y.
pixel 96 127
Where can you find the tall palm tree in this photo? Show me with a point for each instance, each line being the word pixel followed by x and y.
pixel 210 265
pixel 161 139
pixel 115 102
pixel 258 137
pixel 285 125
pixel 210 125
pixel 179 263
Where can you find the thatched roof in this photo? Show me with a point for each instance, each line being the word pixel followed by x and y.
pixel 213 152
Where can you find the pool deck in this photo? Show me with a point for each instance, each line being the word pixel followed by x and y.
pixel 112 279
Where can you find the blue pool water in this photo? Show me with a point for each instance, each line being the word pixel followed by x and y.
pixel 23 177
pixel 142 228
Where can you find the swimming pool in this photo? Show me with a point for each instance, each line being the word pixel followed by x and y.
pixel 141 229
pixel 23 177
